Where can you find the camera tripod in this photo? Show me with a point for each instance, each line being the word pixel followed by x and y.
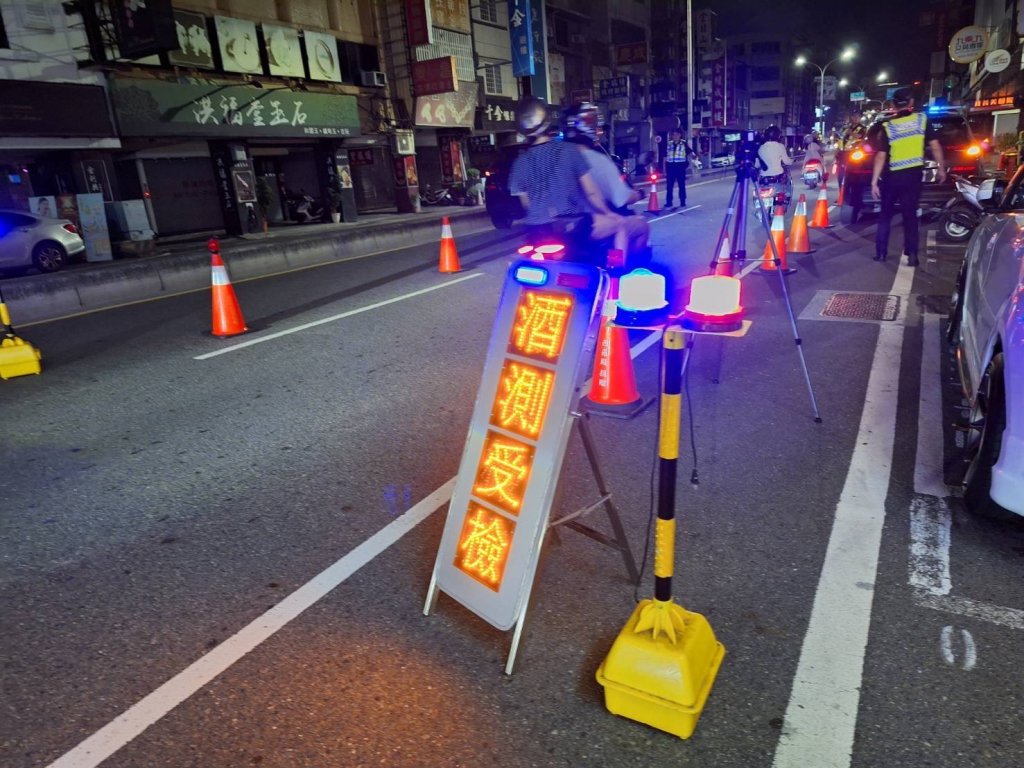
pixel 742 191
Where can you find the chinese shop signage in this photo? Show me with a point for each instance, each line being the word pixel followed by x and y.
pixel 968 45
pixel 498 115
pixel 631 53
pixel 520 28
pixel 448 110
pixel 540 350
pixel 157 108
pixel 450 14
pixel 418 28
pixel 434 76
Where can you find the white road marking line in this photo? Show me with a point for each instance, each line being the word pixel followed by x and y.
pixel 965 606
pixel 137 718
pixel 930 523
pixel 946 645
pixel 821 716
pixel 970 651
pixel 676 213
pixel 350 313
pixel 928 472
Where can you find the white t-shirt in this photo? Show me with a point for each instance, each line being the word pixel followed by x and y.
pixel 774 155
pixel 813 152
pixel 606 177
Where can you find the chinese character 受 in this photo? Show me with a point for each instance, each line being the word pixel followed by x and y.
pixel 503 472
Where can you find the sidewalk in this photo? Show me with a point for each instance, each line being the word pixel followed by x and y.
pixel 179 265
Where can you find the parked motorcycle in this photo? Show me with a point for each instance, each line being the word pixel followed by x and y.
pixel 303 209
pixel 813 173
pixel 962 212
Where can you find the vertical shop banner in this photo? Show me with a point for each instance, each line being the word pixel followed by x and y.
pixel 419 29
pixel 539 81
pixel 92 214
pixel 452 169
pixel 718 92
pixel 520 29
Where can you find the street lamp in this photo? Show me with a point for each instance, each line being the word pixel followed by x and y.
pixel 846 55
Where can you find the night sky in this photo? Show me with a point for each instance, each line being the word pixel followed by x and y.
pixel 888 33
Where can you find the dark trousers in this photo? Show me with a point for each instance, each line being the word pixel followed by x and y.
pixel 675 173
pixel 902 189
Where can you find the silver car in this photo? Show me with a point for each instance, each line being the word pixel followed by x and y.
pixel 987 328
pixel 28 240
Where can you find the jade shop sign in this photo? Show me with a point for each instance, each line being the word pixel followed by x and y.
pixel 157 108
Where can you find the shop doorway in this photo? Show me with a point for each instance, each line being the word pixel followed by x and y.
pixel 372 178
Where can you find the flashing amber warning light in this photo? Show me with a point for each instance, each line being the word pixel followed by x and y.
pixel 974 150
pixel 540 349
pixel 714 305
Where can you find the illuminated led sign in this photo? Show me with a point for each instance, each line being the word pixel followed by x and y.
pixel 541 349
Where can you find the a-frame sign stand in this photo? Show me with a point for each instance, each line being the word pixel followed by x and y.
pixel 541 346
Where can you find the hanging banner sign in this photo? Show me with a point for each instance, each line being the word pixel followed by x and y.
pixel 541 349
pixel 520 28
pixel 418 27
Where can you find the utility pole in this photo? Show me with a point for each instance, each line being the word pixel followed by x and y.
pixel 689 75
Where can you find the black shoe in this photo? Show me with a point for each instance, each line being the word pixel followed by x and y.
pixel 912 261
pixel 879 257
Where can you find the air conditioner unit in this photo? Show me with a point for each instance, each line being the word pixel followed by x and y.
pixel 374 79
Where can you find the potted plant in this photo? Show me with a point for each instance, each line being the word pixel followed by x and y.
pixel 334 200
pixel 474 187
pixel 264 199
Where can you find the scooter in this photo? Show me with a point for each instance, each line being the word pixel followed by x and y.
pixel 813 173
pixel 962 212
pixel 303 209
pixel 773 195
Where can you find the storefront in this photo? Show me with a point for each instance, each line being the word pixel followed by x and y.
pixel 210 156
pixel 55 140
pixel 443 122
pixel 495 128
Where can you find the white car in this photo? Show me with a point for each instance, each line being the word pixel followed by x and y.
pixel 987 328
pixel 723 160
pixel 29 240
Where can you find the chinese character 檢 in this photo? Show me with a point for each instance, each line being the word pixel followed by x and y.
pixel 484 546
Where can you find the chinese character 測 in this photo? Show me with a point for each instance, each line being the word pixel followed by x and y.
pixel 522 403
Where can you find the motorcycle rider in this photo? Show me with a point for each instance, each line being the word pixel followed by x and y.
pixel 775 160
pixel 812 153
pixel 557 188
pixel 583 125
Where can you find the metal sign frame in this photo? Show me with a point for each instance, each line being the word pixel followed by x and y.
pixel 505 606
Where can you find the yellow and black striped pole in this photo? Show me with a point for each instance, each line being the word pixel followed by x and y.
pixel 662 665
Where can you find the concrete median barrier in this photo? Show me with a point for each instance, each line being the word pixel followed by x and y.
pixel 38 298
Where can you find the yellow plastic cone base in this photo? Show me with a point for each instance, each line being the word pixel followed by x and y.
pixel 18 358
pixel 661 667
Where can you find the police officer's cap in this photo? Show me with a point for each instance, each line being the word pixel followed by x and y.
pixel 901 97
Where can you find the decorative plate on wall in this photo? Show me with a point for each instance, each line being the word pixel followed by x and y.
pixel 322 55
pixel 239 47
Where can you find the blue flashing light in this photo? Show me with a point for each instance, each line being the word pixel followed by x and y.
pixel 531 275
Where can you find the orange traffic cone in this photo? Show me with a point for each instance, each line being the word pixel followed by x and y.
pixel 779 238
pixel 449 256
pixel 723 265
pixel 839 200
pixel 227 317
pixel 820 220
pixel 799 239
pixel 652 200
pixel 613 387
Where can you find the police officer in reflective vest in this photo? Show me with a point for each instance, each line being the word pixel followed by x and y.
pixel 897 174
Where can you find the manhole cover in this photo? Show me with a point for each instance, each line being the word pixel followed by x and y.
pixel 862 306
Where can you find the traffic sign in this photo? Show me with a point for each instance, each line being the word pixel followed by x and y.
pixel 541 344
pixel 858 96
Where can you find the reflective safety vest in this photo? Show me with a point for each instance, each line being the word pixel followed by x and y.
pixel 906 141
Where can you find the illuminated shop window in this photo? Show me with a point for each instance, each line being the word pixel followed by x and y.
pixel 522 400
pixel 484 545
pixel 541 322
pixel 504 472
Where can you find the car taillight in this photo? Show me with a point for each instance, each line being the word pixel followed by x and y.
pixel 963 169
pixel 857 155
pixel 70 228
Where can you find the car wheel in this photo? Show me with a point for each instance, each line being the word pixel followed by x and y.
pixel 990 417
pixel 848 214
pixel 49 257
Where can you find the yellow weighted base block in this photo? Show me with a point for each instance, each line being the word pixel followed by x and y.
pixel 661 667
pixel 18 358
